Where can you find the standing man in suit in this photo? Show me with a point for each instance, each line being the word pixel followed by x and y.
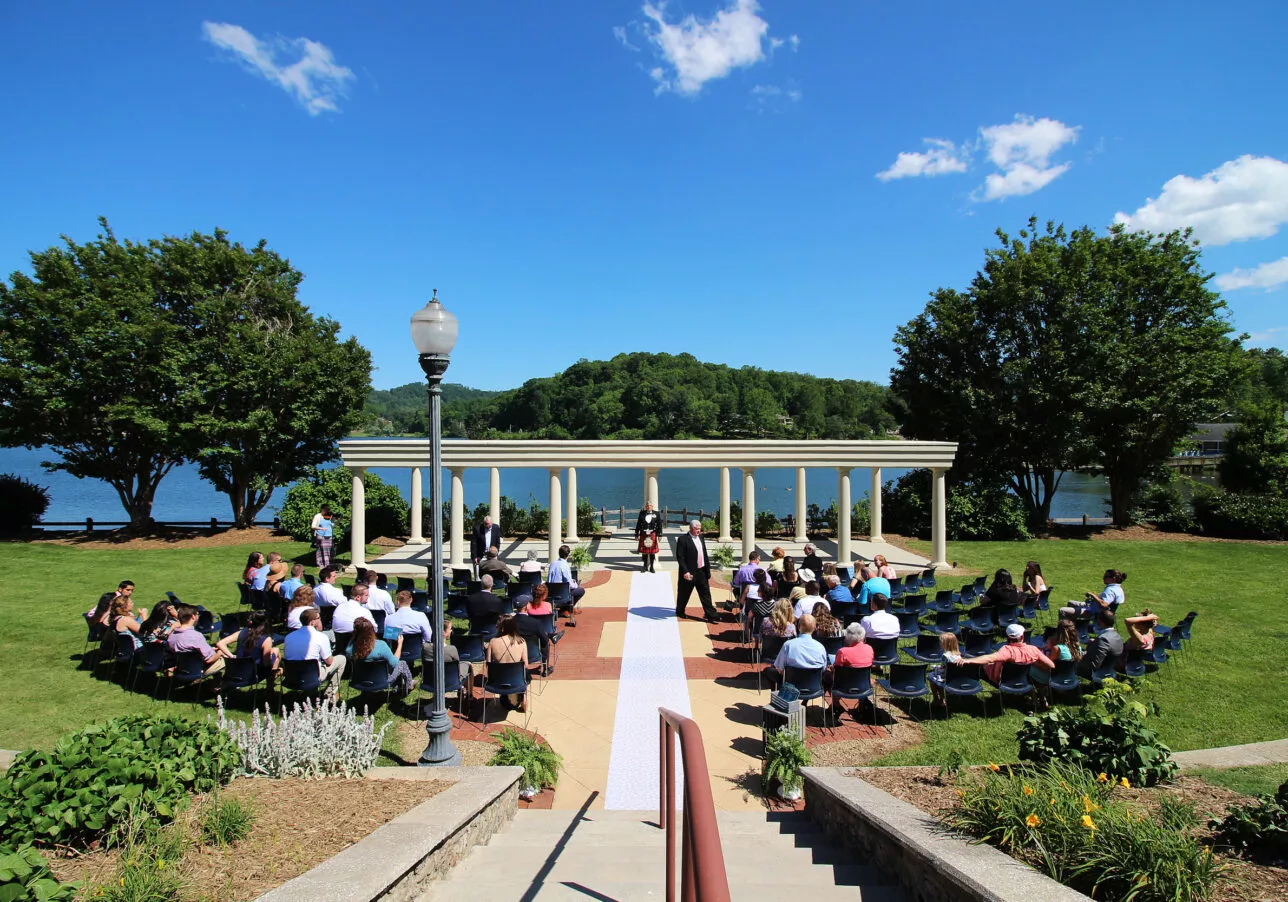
pixel 486 535
pixel 695 571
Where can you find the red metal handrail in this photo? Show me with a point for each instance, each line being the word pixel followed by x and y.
pixel 703 878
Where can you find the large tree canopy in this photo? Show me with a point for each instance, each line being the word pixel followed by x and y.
pixel 1068 350
pixel 128 358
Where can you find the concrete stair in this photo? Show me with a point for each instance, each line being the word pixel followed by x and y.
pixel 619 856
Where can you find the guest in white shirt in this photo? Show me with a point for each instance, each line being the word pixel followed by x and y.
pixel 405 620
pixel 880 624
pixel 377 598
pixel 311 644
pixel 352 609
pixel 326 593
pixel 302 600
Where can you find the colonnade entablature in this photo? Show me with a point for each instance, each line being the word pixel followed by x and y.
pixel 358 454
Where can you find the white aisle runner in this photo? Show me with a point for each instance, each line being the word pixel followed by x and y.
pixel 652 677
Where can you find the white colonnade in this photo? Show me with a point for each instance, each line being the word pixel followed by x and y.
pixel 650 456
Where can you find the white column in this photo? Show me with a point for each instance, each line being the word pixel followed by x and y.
pixel 724 506
pixel 494 498
pixel 802 509
pixel 650 487
pixel 572 505
pixel 938 519
pixel 458 519
pixel 874 503
pixel 844 508
pixel 417 506
pixel 748 511
pixel 358 513
pixel 556 514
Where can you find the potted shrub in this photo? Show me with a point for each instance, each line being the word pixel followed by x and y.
pixel 539 761
pixel 785 755
pixel 724 557
pixel 579 559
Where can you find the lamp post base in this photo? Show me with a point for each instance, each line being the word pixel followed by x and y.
pixel 440 752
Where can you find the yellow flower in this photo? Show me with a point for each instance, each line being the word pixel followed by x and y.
pixel 961 793
pixel 1032 820
pixel 1103 778
pixel 1053 803
pixel 1088 822
pixel 1088 805
pixel 1126 784
pixel 122 881
pixel 1028 790
pixel 993 767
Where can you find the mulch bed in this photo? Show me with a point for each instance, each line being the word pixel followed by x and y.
pixel 1246 881
pixel 298 825
pixel 166 537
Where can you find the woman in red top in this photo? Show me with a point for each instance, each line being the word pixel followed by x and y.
pixel 854 652
pixel 539 606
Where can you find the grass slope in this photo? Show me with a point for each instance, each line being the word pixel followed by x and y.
pixel 1224 690
pixel 1254 780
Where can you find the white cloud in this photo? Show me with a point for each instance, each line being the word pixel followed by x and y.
pixel 795 41
pixel 764 91
pixel 695 51
pixel 1267 276
pixel 619 32
pixel 942 158
pixel 1022 151
pixel 314 79
pixel 1264 337
pixel 1241 199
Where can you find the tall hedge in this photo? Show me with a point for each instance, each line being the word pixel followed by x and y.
pixel 387 512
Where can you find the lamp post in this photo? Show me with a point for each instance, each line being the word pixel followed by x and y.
pixel 433 330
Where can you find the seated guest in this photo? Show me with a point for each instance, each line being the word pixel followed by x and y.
pixel 254 640
pixel 775 565
pixel 509 648
pixel 788 579
pixel 366 647
pixel 159 624
pixel 309 643
pixel 408 620
pixel 287 587
pixel 101 613
pixel 531 564
pixel 1140 630
pixel 757 595
pixel 877 585
pixel 782 619
pixel 810 560
pixel 803 603
pixel 560 572
pixel 278 571
pixel 185 638
pixel 351 610
pixel 747 572
pixel 952 654
pixel 1108 645
pixel 301 600
pixel 1002 591
pixel 837 593
pixel 1016 650
pixel 493 566
pixel 855 652
pixel 377 598
pixel 125 622
pixel 539 603
pixel 880 624
pixel 259 575
pixel 1034 584
pixel 326 593
pixel 1061 643
pixel 451 654
pixel 254 561
pixel 825 625
pixel 1107 600
pixel 881 567
pixel 535 625
pixel 485 608
pixel 803 651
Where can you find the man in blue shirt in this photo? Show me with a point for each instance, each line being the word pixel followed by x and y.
pixel 560 572
pixel 804 651
pixel 288 586
pixel 877 585
pixel 746 574
pixel 837 593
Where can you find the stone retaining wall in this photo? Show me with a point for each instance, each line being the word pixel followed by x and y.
pixel 398 860
pixel 930 864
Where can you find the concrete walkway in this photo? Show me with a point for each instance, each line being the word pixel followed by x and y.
pixel 1252 754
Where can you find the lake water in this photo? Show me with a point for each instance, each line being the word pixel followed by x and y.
pixel 184 495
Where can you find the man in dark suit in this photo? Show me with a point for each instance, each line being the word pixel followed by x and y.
pixel 486 535
pixel 485 608
pixel 695 571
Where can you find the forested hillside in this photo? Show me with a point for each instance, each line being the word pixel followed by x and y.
pixel 655 396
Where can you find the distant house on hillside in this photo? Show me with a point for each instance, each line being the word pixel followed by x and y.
pixel 1210 438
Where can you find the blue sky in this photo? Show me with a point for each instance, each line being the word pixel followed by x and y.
pixel 716 176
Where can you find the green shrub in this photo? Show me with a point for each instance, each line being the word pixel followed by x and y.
pixel 1106 735
pixel 1165 503
pixel 767 524
pixel 587 517
pixel 148 867
pixel 1235 516
pixel 22 505
pixel 1257 828
pixel 387 512
pixel 580 556
pixel 225 821
pixel 1065 821
pixel 724 556
pixel 977 511
pixel 90 780
pixel 539 761
pixel 25 877
pixel 785 755
pixel 735 519
pixel 709 525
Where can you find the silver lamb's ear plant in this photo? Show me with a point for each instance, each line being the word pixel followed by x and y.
pixel 314 739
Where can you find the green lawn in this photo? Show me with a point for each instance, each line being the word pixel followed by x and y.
pixel 1226 689
pixel 45 692
pixel 1255 780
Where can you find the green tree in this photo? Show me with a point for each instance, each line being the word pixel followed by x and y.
pixel 94 363
pixel 274 386
pixel 1256 452
pixel 1068 349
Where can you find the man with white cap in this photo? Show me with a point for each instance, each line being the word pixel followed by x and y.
pixel 1015 650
